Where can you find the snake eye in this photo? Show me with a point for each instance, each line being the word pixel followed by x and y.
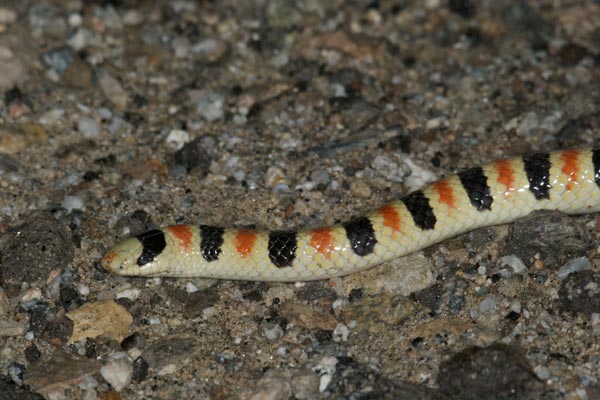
pixel 145 258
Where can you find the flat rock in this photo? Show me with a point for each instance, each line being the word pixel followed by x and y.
pixel 100 318
pixel 495 372
pixel 42 244
pixel 401 276
pixel 59 371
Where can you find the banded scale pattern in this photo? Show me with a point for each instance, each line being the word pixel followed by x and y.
pixel 567 181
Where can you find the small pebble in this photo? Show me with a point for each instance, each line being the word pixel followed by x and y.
pixel 7 15
pixel 389 169
pixel 360 189
pixel 341 333
pixel 129 293
pixel 118 373
pixel 272 332
pixel 326 369
pixel 16 372
pixel 190 287
pixel 71 203
pixel 489 304
pixel 572 266
pixel 88 127
pixel 177 138
pixel 210 106
pixel 516 265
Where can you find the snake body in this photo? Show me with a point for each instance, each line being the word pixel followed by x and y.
pixel 500 192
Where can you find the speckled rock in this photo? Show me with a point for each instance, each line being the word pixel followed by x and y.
pixel 197 154
pixel 194 303
pixel 169 350
pixel 353 380
pixel 580 293
pixel 556 237
pixel 495 372
pixel 272 386
pixel 42 244
pixel 10 391
pixel 401 276
pixel 59 371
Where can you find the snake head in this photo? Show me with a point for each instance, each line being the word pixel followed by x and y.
pixel 137 255
pixel 122 258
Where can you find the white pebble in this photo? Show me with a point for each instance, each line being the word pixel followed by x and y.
pixel 168 370
pixel 190 287
pixel 517 265
pixel 177 138
pixel 542 372
pixel 129 293
pixel 210 107
pixel 31 294
pixel 71 203
pixel 75 19
pixel 52 117
pixel 325 368
pixel 88 127
pixel 83 289
pixel 572 266
pixel 118 373
pixel 341 333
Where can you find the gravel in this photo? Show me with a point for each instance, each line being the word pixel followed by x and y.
pixel 120 117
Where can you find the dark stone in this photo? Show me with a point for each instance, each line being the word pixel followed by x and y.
pixel 497 372
pixel 69 298
pixel 33 249
pixel 134 340
pixel 580 293
pixel 10 391
pixel 575 130
pixel 555 236
pixel 571 53
pixel 359 381
pixel 140 370
pixel 169 350
pixel 253 291
pixel 324 336
pixel 430 297
pixel 194 303
pixel 314 291
pixel 91 350
pixel 524 20
pixel 58 331
pixel 198 154
pixel 464 8
pixel 39 316
pixel 8 164
pixel 355 294
pixel 32 353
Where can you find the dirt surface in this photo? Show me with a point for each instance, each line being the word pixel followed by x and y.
pixel 121 116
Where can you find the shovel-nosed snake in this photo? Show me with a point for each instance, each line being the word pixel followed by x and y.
pixel 499 192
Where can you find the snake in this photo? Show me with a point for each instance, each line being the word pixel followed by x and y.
pixel 500 192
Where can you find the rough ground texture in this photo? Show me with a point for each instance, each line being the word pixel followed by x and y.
pixel 120 116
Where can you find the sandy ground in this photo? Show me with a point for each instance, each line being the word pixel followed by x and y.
pixel 121 116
